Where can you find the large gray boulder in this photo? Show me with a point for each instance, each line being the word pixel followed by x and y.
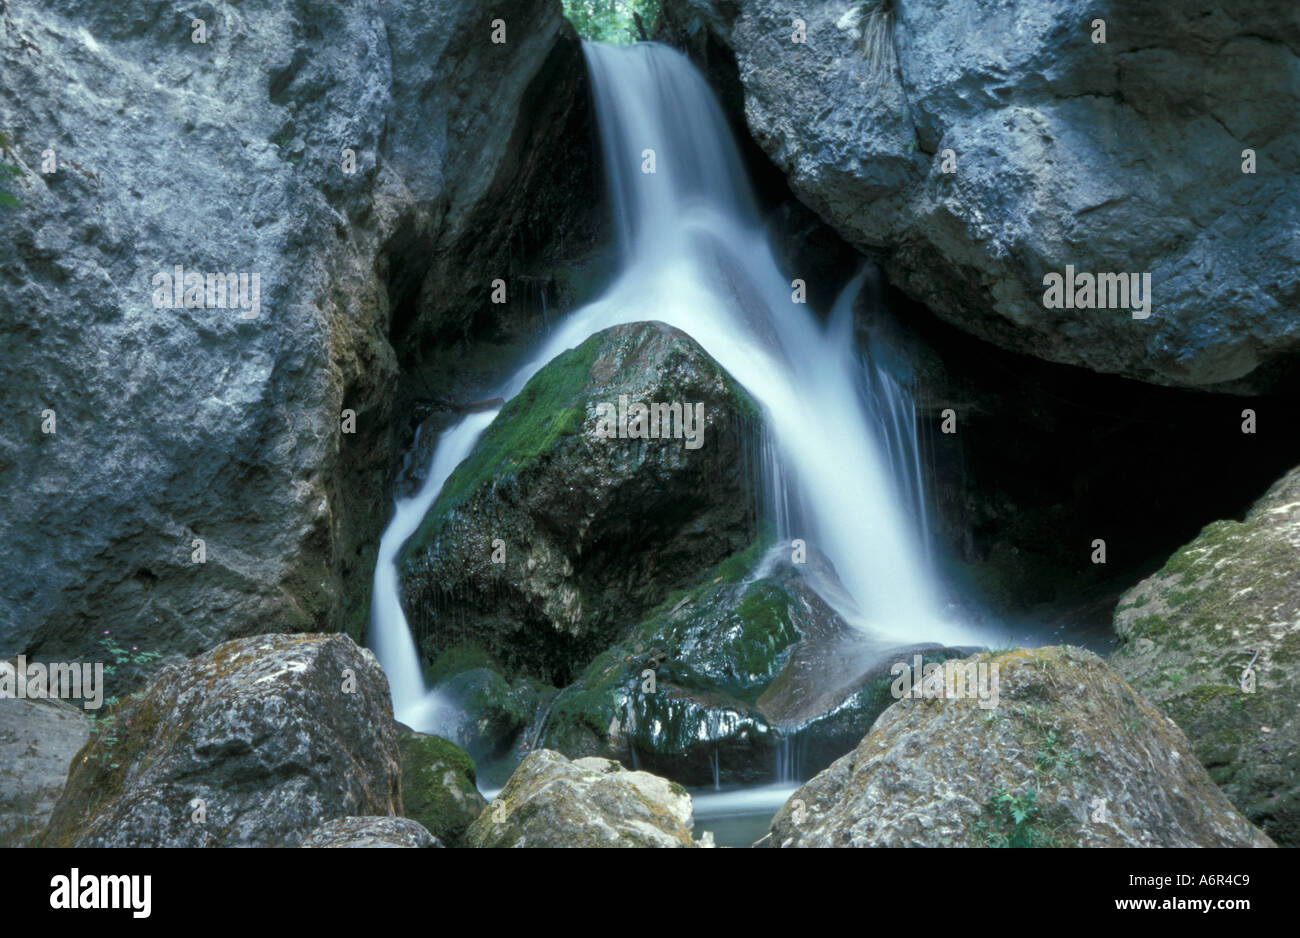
pixel 1122 156
pixel 235 155
pixel 1213 639
pixel 1068 755
pixel 255 743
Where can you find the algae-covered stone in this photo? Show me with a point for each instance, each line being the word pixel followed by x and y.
pixel 370 832
pixel 254 743
pixel 552 802
pixel 490 710
pixel 438 785
pixel 743 676
pixel 1213 639
pixel 550 537
pixel 1068 756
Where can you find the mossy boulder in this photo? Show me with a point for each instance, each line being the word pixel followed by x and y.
pixel 255 743
pixel 550 801
pixel 1213 639
pixel 490 710
pixel 589 532
pixel 1063 754
pixel 754 676
pixel 439 785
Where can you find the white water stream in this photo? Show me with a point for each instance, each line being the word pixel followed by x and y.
pixel 695 255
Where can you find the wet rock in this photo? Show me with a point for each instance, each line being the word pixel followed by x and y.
pixel 552 802
pixel 1213 639
pixel 492 712
pixel 438 785
pixel 370 832
pixel 1068 756
pixel 589 532
pixel 254 743
pixel 755 677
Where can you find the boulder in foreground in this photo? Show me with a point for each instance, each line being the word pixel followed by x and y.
pixel 1069 756
pixel 254 743
pixel 552 802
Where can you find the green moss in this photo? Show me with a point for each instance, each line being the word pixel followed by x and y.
pixel 438 786
pixel 1211 536
pixel 547 409
pixel 457 660
pixel 1151 626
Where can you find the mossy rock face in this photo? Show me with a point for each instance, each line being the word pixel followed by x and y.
pixel 550 801
pixel 439 785
pixel 255 743
pixel 591 532
pixel 492 711
pixel 751 677
pixel 1227 602
pixel 1064 753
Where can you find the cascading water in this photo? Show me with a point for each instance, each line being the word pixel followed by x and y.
pixel 694 255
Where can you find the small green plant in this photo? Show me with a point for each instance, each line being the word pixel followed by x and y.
pixel 101 731
pixel 119 655
pixel 102 726
pixel 1050 759
pixel 1012 821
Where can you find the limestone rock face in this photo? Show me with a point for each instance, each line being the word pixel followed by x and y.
pixel 1069 756
pixel 315 146
pixel 552 802
pixel 255 743
pixel 370 832
pixel 1213 639
pixel 1122 156
pixel 38 739
pixel 548 539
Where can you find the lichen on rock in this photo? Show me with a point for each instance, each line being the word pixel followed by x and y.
pixel 1213 639
pixel 1069 756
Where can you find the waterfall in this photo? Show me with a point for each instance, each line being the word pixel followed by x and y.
pixel 844 466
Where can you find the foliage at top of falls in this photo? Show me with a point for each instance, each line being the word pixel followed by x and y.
pixel 610 20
